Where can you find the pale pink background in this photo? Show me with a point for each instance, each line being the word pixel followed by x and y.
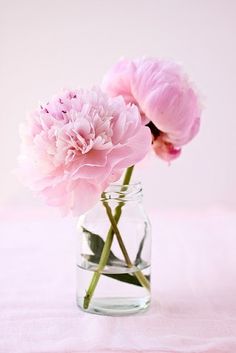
pixel 46 45
pixel 49 44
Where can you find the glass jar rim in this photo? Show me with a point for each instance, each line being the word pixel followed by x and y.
pixel 126 192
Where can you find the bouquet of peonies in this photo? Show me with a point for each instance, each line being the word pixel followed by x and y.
pixel 81 141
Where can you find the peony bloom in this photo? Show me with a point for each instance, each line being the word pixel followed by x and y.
pixel 77 144
pixel 166 100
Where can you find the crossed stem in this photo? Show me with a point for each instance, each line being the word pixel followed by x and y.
pixel 107 246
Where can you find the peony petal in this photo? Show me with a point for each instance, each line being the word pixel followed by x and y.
pixel 85 145
pixel 85 195
pixel 137 148
pixel 162 93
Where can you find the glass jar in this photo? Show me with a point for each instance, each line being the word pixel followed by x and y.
pixel 114 249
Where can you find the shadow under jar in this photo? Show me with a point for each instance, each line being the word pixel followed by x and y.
pixel 114 250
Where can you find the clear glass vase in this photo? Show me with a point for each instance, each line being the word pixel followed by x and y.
pixel 114 249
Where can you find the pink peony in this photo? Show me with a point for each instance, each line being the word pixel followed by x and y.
pixel 164 97
pixel 77 144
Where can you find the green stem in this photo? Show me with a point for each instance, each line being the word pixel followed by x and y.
pixel 128 175
pixel 107 246
pixel 142 279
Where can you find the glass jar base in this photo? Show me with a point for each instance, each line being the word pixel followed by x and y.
pixel 115 306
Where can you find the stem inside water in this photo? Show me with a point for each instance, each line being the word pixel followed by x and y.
pixel 142 279
pixel 108 243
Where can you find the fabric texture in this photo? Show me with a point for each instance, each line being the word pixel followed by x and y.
pixel 193 279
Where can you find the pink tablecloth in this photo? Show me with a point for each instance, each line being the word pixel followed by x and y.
pixel 194 288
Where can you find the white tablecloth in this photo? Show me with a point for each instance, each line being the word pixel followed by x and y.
pixel 193 277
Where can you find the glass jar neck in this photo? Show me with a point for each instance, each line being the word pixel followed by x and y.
pixel 123 193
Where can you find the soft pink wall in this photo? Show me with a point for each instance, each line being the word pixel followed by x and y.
pixel 46 45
